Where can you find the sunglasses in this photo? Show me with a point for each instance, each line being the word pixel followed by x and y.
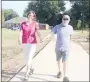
pixel 65 19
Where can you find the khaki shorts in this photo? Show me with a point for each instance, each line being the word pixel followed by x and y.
pixel 61 54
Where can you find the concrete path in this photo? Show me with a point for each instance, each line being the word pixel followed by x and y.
pixel 45 65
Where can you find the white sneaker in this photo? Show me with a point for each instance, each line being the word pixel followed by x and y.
pixel 31 71
pixel 27 76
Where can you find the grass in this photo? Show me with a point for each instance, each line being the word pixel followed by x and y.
pixel 80 34
pixel 10 43
pixel 81 39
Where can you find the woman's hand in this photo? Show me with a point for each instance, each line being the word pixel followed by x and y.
pixel 20 38
pixel 19 42
pixel 41 40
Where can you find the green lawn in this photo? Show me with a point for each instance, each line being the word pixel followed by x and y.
pixel 10 43
pixel 80 34
pixel 81 39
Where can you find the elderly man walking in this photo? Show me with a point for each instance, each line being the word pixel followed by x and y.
pixel 64 32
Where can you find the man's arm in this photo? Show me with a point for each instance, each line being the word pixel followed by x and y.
pixel 71 33
pixel 54 31
pixel 70 37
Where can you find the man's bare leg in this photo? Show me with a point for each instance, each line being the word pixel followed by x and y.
pixel 65 68
pixel 65 71
pixel 59 68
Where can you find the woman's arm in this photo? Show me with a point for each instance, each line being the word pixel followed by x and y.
pixel 20 37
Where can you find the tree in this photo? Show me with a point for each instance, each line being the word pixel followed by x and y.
pixel 80 11
pixel 79 24
pixel 9 14
pixel 46 11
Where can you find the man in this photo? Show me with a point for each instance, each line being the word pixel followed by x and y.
pixel 63 31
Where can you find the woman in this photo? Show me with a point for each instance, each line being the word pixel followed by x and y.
pixel 27 38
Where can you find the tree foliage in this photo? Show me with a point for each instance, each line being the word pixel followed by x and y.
pixel 9 14
pixel 46 11
pixel 80 11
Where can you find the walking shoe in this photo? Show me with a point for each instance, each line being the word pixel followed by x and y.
pixel 26 77
pixel 31 71
pixel 65 79
pixel 59 75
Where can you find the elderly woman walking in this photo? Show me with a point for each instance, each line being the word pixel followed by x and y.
pixel 28 40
